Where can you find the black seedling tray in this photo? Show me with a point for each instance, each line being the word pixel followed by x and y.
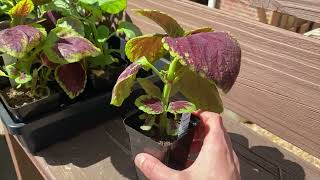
pixel 61 124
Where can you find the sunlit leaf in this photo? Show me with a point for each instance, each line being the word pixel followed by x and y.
pixel 179 107
pixel 72 78
pixel 19 40
pixel 214 55
pixel 112 6
pixel 129 29
pixel 64 46
pixel 23 78
pixel 71 22
pixel 12 71
pixel 196 31
pixel 22 9
pixel 149 46
pixel 200 91
pixel 149 104
pixel 123 86
pixel 171 26
pixel 149 87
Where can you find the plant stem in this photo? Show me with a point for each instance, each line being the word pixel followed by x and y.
pixel 166 95
pixel 157 72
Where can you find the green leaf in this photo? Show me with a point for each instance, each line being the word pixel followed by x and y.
pixel 12 71
pixel 101 60
pixel 3 74
pixel 148 123
pixel 41 2
pixel 150 88
pixel 179 107
pixel 23 78
pixel 203 93
pixel 149 46
pixel 71 22
pixel 149 104
pixel 22 9
pixel 112 6
pixel 123 86
pixel 129 29
pixel 61 6
pixel 170 25
pixel 206 29
pixel 103 33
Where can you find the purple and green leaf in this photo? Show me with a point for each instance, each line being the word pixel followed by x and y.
pixel 203 93
pixel 149 46
pixel 170 25
pixel 72 78
pixel 149 87
pixel 19 40
pixel 179 107
pixel 64 46
pixel 214 55
pixel 12 70
pixel 73 23
pixel 123 86
pixel 149 104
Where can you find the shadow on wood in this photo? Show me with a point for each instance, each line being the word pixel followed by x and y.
pixel 264 162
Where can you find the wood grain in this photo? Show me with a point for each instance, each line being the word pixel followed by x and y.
pixel 304 9
pixel 104 153
pixel 279 83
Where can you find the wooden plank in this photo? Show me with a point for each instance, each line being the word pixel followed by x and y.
pixel 104 153
pixel 262 15
pixel 275 19
pixel 25 170
pixel 279 83
pixel 304 9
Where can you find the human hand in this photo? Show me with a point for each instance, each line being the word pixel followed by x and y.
pixel 216 160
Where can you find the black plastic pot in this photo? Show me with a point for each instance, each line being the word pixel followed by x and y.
pixel 63 123
pixel 174 156
pixel 26 112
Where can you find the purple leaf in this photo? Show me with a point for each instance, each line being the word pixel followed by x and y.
pixel 19 40
pixel 214 55
pixel 179 107
pixel 72 78
pixel 122 88
pixel 65 46
pixel 149 104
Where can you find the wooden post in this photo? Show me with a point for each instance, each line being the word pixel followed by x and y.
pixel 262 15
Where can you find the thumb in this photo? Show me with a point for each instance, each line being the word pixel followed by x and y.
pixel 152 168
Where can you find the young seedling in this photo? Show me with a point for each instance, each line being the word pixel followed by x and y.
pixel 201 61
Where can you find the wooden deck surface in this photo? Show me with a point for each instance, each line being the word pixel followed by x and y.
pixel 104 153
pixel 304 9
pixel 279 83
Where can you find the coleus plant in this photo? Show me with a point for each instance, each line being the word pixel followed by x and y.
pixel 67 50
pixel 201 62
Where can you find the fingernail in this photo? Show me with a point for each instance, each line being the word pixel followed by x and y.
pixel 139 160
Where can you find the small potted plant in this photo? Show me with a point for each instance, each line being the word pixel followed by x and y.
pixel 201 61
pixel 71 44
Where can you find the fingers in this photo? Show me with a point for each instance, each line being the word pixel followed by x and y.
pixel 152 168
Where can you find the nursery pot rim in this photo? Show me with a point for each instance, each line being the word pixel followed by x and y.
pixel 5 101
